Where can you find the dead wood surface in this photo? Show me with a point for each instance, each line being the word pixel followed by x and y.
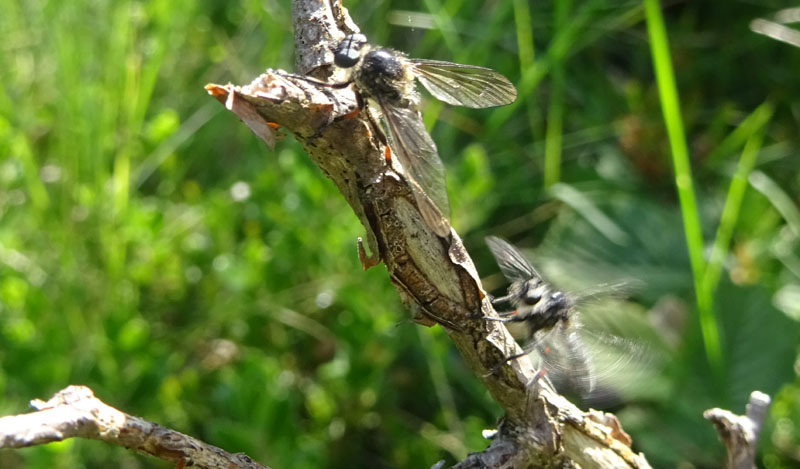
pixel 739 433
pixel 75 412
pixel 435 276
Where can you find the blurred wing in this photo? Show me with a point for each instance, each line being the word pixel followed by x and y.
pixel 598 296
pixel 417 154
pixel 601 368
pixel 565 358
pixel 512 263
pixel 464 85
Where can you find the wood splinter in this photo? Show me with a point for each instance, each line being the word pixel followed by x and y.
pixel 739 433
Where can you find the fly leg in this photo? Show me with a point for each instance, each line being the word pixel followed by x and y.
pixel 502 363
pixel 359 107
pixel 510 316
pixel 525 351
pixel 539 379
pixel 504 299
pixel 324 88
pixel 375 128
pixel 506 316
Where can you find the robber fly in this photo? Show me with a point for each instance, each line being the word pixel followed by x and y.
pixel 384 78
pixel 549 315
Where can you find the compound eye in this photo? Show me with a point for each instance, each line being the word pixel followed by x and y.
pixel 531 296
pixel 348 51
pixel 346 59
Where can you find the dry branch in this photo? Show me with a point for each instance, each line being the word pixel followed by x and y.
pixel 739 433
pixel 75 412
pixel 434 276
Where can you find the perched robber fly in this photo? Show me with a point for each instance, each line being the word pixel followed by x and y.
pixel 549 315
pixel 384 78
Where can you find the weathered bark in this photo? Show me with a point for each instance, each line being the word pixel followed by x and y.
pixel 434 276
pixel 739 433
pixel 76 412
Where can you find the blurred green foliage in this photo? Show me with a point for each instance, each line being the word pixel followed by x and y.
pixel 153 249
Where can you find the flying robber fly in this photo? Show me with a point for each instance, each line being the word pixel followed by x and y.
pixel 384 78
pixel 599 368
pixel 548 314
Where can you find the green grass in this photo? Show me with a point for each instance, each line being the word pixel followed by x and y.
pixel 755 129
pixel 129 263
pixel 706 273
pixel 670 105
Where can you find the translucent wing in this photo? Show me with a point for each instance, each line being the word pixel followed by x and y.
pixel 464 85
pixel 512 263
pixel 605 292
pixel 417 153
pixel 602 368
pixel 565 359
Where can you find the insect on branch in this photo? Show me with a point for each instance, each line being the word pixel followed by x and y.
pixel 402 204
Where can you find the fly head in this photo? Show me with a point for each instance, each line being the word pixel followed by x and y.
pixel 348 52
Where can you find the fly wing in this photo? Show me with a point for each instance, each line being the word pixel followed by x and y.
pixel 512 263
pixel 464 85
pixel 602 368
pixel 606 291
pixel 417 154
pixel 565 358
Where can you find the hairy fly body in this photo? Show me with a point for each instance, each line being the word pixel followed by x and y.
pixel 549 316
pixel 536 302
pixel 384 78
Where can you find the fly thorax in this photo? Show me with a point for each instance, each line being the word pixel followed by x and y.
pixel 558 305
pixel 384 73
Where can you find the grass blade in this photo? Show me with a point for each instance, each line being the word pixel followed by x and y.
pixel 555 111
pixel 670 108
pixel 733 202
